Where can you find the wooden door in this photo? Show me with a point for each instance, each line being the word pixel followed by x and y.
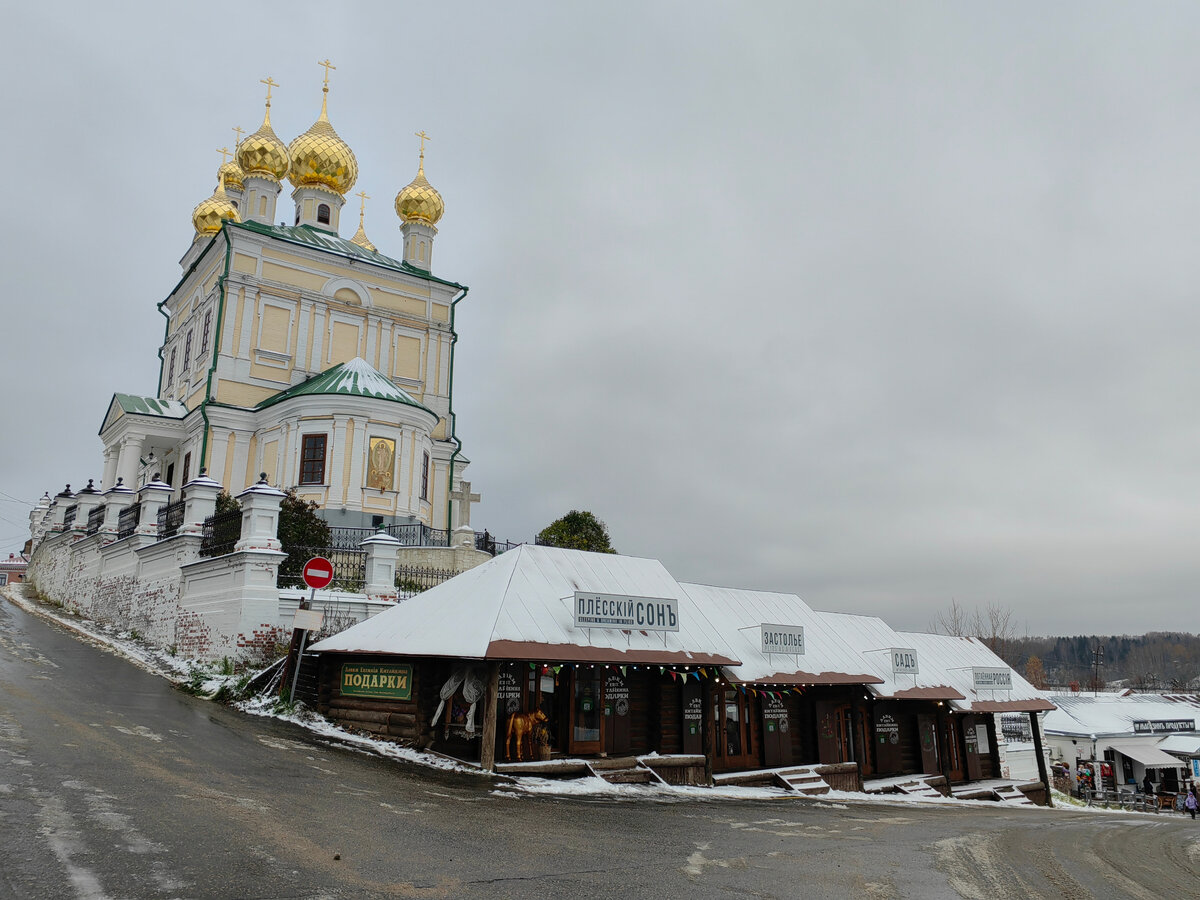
pixel 971 742
pixel 587 711
pixel 693 717
pixel 734 745
pixel 617 731
pixel 927 734
pixel 828 749
pixel 776 729
pixel 886 733
pixel 951 745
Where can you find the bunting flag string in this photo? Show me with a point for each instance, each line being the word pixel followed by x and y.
pixel 623 670
pixel 702 672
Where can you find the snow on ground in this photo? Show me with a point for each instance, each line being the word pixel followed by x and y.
pixel 205 679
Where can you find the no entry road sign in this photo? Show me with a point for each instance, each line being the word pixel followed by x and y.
pixel 318 573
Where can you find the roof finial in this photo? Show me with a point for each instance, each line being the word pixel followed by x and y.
pixel 239 133
pixel 362 207
pixel 224 151
pixel 424 137
pixel 270 84
pixel 325 89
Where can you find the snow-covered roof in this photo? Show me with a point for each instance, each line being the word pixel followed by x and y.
pixel 737 613
pixel 356 378
pixel 873 639
pixel 955 657
pixel 1183 744
pixel 520 606
pixel 1113 714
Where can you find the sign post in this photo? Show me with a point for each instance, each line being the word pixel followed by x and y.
pixel 318 573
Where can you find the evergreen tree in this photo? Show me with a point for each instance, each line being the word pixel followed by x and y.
pixel 577 530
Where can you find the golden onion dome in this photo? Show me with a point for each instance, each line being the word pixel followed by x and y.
pixel 210 214
pixel 263 153
pixel 419 201
pixel 322 159
pixel 231 174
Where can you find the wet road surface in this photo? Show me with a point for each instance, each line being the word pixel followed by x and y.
pixel 114 784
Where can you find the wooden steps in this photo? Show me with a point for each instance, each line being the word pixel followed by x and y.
pixel 802 780
pixel 1013 795
pixel 918 789
pixel 623 770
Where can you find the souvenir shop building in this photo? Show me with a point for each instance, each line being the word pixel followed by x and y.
pixel 548 653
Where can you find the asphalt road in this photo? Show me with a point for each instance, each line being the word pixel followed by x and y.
pixel 113 784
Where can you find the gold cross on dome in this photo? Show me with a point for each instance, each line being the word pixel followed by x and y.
pixel 224 151
pixel 363 202
pixel 424 137
pixel 328 65
pixel 270 84
pixel 239 132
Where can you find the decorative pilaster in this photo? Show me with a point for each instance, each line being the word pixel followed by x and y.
pixel 260 516
pixel 200 502
pixel 381 566
pixel 153 496
pixel 85 501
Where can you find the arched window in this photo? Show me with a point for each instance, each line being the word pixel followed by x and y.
pixel 323 213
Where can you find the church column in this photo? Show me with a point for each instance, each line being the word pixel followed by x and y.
pixel 337 449
pixel 357 474
pixel 301 360
pixel 129 459
pixel 110 468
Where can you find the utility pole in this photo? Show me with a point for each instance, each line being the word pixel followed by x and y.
pixel 1097 662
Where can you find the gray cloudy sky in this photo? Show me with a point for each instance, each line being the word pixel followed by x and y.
pixel 883 304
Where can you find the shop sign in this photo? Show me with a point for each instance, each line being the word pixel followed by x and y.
pixel 904 661
pixel 1196 768
pixel 693 715
pixel 616 696
pixel 376 680
pixel 626 613
pixel 887 729
pixel 509 687
pixel 775 715
pixel 1154 726
pixel 992 679
pixel 783 639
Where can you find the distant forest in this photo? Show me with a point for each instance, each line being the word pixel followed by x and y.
pixel 1157 661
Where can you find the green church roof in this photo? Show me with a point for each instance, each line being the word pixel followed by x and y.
pixel 357 378
pixel 327 240
pixel 150 406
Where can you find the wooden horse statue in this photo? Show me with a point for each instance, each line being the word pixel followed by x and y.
pixel 521 725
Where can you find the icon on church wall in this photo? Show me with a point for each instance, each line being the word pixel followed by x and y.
pixel 381 463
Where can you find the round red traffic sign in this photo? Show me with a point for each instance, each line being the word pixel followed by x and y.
pixel 318 572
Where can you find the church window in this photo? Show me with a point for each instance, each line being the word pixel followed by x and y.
pixel 171 369
pixel 323 213
pixel 425 477
pixel 187 467
pixel 187 353
pixel 204 334
pixel 312 459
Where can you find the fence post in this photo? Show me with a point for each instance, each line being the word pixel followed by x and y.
pixel 200 502
pixel 85 501
pixel 260 516
pixel 382 553
pixel 62 500
pixel 116 498
pixel 154 495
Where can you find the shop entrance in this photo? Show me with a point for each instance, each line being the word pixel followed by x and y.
pixel 587 711
pixel 735 746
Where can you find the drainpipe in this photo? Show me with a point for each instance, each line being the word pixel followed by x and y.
pixel 450 410
pixel 217 346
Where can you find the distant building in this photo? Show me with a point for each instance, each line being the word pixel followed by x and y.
pixel 12 570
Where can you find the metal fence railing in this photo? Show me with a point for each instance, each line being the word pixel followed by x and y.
pixel 221 532
pixel 412 580
pixel 95 519
pixel 349 567
pixel 127 521
pixel 416 535
pixel 170 517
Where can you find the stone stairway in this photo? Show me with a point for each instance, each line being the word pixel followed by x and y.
pixel 802 780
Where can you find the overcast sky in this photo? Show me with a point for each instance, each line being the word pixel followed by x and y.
pixel 886 305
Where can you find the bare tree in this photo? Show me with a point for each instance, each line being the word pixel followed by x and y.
pixel 1035 672
pixel 953 621
pixel 993 624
